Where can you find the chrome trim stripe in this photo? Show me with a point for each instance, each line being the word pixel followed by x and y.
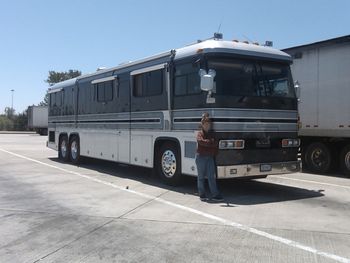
pixel 232 109
pixel 237 113
pixel 103 80
pixel 148 69
pixel 238 120
pixel 247 170
pixel 242 127
pixel 49 91
pixel 155 120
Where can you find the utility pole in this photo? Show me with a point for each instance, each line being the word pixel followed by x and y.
pixel 12 91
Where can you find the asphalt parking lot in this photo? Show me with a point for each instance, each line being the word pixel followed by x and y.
pixel 105 212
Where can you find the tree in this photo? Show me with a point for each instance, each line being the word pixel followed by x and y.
pixel 9 112
pixel 5 123
pixel 55 77
pixel 45 101
pixel 21 121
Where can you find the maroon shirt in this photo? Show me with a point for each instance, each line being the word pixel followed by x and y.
pixel 206 144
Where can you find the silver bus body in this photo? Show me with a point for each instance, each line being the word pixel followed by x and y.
pixel 120 114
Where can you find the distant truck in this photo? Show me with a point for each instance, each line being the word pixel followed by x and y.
pixel 323 71
pixel 38 119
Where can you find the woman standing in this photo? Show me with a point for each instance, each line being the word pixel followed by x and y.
pixel 207 148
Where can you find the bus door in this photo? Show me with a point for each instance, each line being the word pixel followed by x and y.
pixel 148 103
pixel 123 124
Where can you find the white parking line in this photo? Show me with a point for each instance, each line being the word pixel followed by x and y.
pixel 310 181
pixel 282 240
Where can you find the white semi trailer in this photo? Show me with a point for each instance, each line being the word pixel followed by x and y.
pixel 323 72
pixel 38 119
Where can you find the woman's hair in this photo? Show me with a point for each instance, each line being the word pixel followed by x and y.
pixel 205 118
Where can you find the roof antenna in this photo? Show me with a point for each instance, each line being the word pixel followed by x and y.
pixel 219 27
pixel 217 34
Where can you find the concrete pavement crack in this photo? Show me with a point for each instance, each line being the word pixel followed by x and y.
pixel 55 214
pixel 145 203
pixel 76 239
pixel 141 205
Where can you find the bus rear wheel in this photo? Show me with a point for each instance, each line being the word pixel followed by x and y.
pixel 75 149
pixel 169 164
pixel 63 150
pixel 345 160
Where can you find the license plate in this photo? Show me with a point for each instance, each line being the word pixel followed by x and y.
pixel 265 167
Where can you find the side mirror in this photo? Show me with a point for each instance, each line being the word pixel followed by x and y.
pixel 297 89
pixel 207 79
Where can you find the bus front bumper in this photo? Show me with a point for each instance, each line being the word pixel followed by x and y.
pixel 257 169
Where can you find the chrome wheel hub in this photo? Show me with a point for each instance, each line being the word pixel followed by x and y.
pixel 347 160
pixel 318 158
pixel 169 163
pixel 74 150
pixel 64 148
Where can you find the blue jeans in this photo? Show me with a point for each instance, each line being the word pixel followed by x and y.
pixel 206 168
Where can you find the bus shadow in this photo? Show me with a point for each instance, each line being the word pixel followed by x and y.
pixel 235 191
pixel 251 192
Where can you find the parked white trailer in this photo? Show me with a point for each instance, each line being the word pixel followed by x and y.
pixel 323 72
pixel 38 119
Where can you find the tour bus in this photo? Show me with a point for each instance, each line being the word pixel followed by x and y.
pixel 147 112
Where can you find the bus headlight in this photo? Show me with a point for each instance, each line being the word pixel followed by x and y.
pixel 231 144
pixel 290 143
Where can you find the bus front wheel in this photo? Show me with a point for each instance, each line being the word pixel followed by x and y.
pixel 169 164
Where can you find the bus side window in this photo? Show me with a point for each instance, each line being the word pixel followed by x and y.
pixel 148 91
pixel 148 83
pixel 104 91
pixel 100 89
pixel 187 80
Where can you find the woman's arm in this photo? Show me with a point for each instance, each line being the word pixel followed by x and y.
pixel 205 142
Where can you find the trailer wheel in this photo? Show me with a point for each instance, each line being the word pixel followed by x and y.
pixel 63 150
pixel 345 160
pixel 318 157
pixel 74 149
pixel 169 164
pixel 44 132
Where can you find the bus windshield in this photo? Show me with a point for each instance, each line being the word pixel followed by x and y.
pixel 236 77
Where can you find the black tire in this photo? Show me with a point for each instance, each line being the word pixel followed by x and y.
pixel 168 164
pixel 345 160
pixel 304 164
pixel 42 132
pixel 318 158
pixel 63 149
pixel 74 149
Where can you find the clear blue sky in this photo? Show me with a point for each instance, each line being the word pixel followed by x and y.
pixel 39 35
